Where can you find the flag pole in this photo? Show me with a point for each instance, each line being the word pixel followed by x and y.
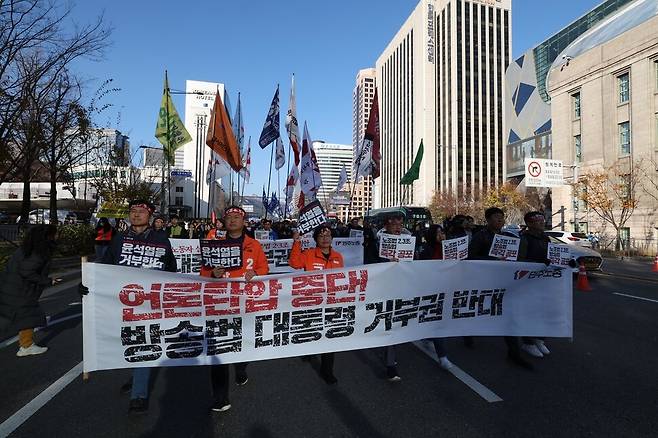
pixel 168 146
pixel 285 210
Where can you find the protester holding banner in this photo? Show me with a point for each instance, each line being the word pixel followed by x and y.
pixel 479 249
pixel 433 250
pixel 322 257
pixel 392 225
pixel 139 247
pixel 176 230
pixel 254 263
pixel 267 226
pixel 534 248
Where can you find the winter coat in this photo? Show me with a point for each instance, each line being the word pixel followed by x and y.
pixel 533 248
pixel 149 237
pixel 21 285
pixel 253 258
pixel 312 259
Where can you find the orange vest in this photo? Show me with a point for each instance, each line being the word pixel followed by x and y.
pixel 312 259
pixel 253 257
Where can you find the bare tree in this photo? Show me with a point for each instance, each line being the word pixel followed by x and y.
pixel 35 50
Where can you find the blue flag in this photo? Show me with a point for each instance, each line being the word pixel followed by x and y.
pixel 274 203
pixel 271 127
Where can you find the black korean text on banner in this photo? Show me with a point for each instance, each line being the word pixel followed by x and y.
pixel 505 248
pixel 139 254
pixel 455 249
pixel 221 253
pixel 400 247
pixel 310 217
pixel 559 255
pixel 137 317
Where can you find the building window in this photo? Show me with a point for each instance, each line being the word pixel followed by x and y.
pixel 179 190
pixel 578 147
pixel 624 138
pixel 623 82
pixel 576 106
pixel 179 200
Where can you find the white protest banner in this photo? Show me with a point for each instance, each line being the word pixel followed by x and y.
pixel 504 247
pixel 262 235
pixel 560 255
pixel 310 217
pixel 455 249
pixel 188 253
pixel 393 246
pixel 137 317
pixel 356 233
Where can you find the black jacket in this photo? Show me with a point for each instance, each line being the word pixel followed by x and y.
pixel 21 285
pixel 533 248
pixel 478 248
pixel 117 254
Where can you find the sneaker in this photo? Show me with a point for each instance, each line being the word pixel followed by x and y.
pixel 241 379
pixel 221 406
pixel 445 363
pixel 138 406
pixel 31 350
pixel 392 374
pixel 542 347
pixel 518 360
pixel 532 350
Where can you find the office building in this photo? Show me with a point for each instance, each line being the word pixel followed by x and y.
pixel 604 109
pixel 440 81
pixel 362 97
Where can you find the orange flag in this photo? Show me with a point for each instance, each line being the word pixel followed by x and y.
pixel 220 136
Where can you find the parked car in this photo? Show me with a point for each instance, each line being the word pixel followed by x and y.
pixel 576 239
pixel 42 216
pixel 590 258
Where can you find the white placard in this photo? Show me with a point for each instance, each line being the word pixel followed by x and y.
pixel 400 247
pixel 356 233
pixel 559 255
pixel 144 318
pixel 504 247
pixel 455 249
pixel 262 234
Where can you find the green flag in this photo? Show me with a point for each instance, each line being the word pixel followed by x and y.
pixel 414 170
pixel 178 135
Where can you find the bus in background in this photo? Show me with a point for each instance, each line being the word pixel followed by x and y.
pixel 412 217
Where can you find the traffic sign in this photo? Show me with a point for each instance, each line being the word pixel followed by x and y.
pixel 540 172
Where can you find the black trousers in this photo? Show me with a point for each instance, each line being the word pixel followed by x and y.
pixel 220 378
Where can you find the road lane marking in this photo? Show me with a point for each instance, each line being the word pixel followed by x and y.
pixel 633 296
pixel 14 422
pixel 460 374
pixel 49 323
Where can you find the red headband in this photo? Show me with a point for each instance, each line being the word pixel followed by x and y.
pixel 234 210
pixel 144 206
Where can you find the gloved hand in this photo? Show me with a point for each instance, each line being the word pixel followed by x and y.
pixel 82 289
pixel 572 263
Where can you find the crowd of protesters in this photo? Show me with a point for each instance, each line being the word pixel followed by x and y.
pixel 26 274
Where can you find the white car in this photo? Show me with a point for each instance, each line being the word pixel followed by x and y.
pixel 577 239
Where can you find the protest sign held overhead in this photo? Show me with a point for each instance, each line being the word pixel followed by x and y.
pixel 400 247
pixel 310 217
pixel 455 249
pixel 262 234
pixel 505 247
pixel 221 254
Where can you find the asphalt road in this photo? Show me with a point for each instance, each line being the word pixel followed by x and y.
pixel 603 383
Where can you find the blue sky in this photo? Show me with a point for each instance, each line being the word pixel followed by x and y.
pixel 252 46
